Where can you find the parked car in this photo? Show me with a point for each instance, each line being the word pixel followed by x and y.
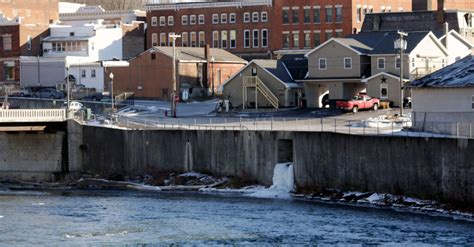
pixel 49 93
pixel 357 103
pixel 21 93
pixel 93 97
pixel 74 106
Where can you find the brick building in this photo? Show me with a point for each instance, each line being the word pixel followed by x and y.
pixel 149 75
pixel 420 5
pixel 23 24
pixel 258 28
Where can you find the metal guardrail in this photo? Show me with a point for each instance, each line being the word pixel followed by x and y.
pixel 32 115
pixel 353 127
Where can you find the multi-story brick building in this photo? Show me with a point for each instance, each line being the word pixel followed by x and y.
pixel 258 28
pixel 23 24
pixel 420 5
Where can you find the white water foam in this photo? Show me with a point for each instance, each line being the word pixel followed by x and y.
pixel 283 183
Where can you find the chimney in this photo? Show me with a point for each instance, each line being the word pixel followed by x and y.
pixel 440 12
pixel 446 32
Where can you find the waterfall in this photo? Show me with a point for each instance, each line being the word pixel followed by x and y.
pixel 283 183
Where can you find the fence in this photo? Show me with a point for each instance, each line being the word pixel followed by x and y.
pixel 356 127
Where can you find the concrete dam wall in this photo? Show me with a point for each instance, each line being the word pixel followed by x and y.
pixel 429 168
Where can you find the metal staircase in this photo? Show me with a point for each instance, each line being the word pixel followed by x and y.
pixel 253 81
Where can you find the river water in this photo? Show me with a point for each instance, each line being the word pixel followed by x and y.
pixel 136 218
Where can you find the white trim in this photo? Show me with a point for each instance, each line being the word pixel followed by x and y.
pixel 382 73
pixel 325 63
pixel 184 20
pixel 235 18
pixel 378 63
pixel 203 19
pixel 215 20
pixel 247 14
pixel 459 37
pixel 344 60
pixel 383 86
pixel 330 40
pixel 287 71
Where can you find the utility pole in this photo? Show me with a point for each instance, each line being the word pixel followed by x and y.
pixel 68 89
pixel 111 76
pixel 173 94
pixel 402 45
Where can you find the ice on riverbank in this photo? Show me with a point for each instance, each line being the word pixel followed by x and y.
pixel 283 183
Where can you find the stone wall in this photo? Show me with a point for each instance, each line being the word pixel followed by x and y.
pixel 32 156
pixel 430 168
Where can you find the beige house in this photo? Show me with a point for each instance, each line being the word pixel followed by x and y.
pixel 262 84
pixel 443 102
pixel 368 62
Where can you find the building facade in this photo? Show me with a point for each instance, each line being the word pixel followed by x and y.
pixel 23 24
pixel 257 29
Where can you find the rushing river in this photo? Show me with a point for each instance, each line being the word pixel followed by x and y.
pixel 136 218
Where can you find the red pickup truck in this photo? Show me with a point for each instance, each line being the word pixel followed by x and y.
pixel 358 102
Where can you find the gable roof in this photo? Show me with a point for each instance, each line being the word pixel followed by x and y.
pixel 297 65
pixel 188 54
pixel 383 73
pixel 385 46
pixel 441 36
pixel 457 75
pixel 349 43
pixel 275 68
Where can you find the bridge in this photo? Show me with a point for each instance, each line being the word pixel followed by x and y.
pixel 32 115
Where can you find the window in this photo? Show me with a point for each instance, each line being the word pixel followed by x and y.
pixel 184 20
pixel 93 73
pixel 322 63
pixel 192 19
pixel 170 40
pixel 224 39
pixel 286 16
pixel 328 34
pixel 347 63
pixel 307 39
pixel 184 39
pixel 264 16
pixel 296 39
pixel 202 39
pixel 328 14
pixel 201 19
pixel 383 91
pixel 256 38
pixel 223 18
pixel 338 33
pixel 397 62
pixel 162 21
pixel 154 21
pixel 246 38
pixel 413 64
pixel 233 39
pixel 170 21
pixel 380 63
pixel 359 14
pixel 154 39
pixel 264 38
pixel 307 15
pixel 317 39
pixel 365 10
pixel 295 15
pixel 215 39
pixel 29 43
pixel 162 39
pixel 286 40
pixel 232 18
pixel 193 39
pixel 215 18
pixel 255 17
pixel 317 15
pixel 9 70
pixel 339 13
pixel 83 73
pixel 246 17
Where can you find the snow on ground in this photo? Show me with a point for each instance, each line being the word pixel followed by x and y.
pixel 384 121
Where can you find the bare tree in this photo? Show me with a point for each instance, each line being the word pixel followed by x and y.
pixel 114 4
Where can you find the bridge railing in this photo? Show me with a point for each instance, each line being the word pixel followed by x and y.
pixel 32 115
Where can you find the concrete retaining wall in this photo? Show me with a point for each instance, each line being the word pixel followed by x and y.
pixel 32 156
pixel 440 169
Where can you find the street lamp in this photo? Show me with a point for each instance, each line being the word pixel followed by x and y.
pixel 401 44
pixel 173 94
pixel 212 74
pixel 111 76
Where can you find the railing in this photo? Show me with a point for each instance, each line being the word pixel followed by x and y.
pixel 32 115
pixel 334 125
pixel 253 81
pixel 420 72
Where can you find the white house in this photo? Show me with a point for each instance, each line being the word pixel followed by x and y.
pixel 95 41
pixel 443 101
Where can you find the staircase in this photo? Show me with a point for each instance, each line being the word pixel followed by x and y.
pixel 254 81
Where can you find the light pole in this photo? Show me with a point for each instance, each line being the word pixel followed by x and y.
pixel 111 76
pixel 173 94
pixel 401 44
pixel 212 74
